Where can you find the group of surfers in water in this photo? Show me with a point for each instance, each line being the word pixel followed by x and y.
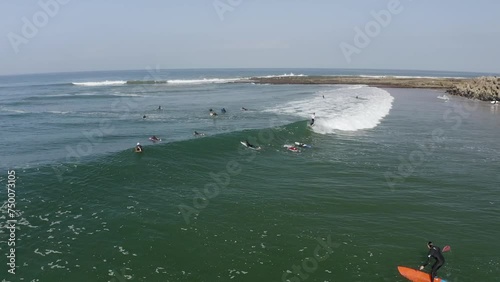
pixel 139 149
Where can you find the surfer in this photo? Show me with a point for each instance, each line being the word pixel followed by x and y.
pixel 434 252
pixel 154 138
pixel 144 116
pixel 313 116
pixel 301 144
pixel 159 108
pixel 244 109
pixel 223 110
pixel 248 144
pixel 138 148
pixel 196 133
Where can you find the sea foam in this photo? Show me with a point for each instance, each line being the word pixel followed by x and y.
pixel 202 81
pixel 100 83
pixel 349 108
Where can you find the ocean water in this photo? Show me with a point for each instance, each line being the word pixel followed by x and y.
pixel 386 172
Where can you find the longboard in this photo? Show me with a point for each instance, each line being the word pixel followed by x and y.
pixel 417 275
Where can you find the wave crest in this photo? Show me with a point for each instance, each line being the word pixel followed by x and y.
pixel 349 108
pixel 100 83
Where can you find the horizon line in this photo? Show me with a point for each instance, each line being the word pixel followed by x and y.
pixel 243 68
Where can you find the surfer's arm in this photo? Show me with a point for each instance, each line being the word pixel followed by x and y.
pixel 429 255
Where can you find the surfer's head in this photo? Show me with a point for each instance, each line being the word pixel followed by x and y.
pixel 430 245
pixel 138 144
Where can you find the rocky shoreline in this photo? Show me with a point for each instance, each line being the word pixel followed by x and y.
pixel 482 88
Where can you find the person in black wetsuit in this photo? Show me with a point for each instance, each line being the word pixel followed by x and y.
pixel 434 252
pixel 248 144
pixel 138 148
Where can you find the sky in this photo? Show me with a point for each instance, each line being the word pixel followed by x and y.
pixel 75 35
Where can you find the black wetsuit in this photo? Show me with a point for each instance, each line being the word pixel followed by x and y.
pixel 249 145
pixel 435 252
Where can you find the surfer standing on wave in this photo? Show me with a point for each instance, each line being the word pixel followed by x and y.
pixel 434 252
pixel 313 116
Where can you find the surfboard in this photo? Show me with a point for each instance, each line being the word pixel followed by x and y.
pixel 153 140
pixel 417 275
pixel 253 148
pixel 291 148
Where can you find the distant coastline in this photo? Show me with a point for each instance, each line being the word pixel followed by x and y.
pixel 483 88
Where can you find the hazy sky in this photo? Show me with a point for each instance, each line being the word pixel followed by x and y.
pixel 77 35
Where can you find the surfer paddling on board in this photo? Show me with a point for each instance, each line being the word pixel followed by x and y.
pixel 154 138
pixel 313 116
pixel 138 148
pixel 434 252
pixel 196 133
pixel 249 145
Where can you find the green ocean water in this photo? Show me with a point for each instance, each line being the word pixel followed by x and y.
pixel 353 207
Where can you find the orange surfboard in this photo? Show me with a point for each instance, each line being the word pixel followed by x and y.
pixel 417 275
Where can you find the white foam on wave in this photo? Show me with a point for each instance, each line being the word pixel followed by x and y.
pixel 340 110
pixel 100 83
pixel 2 109
pixel 202 81
pixel 127 95
pixel 283 75
pixel 443 97
pixel 407 76
pixel 58 112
